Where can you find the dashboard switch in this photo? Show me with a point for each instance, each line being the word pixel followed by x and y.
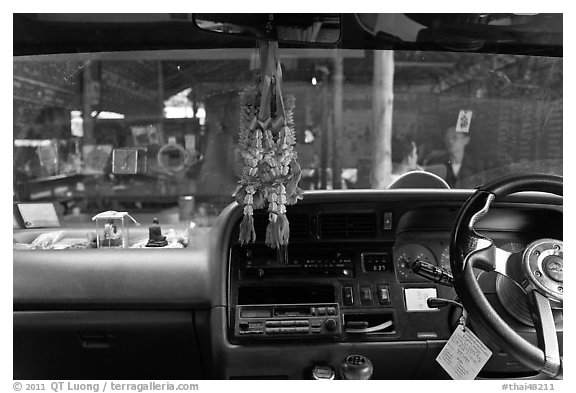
pixel 387 224
pixel 348 296
pixel 383 294
pixel 365 295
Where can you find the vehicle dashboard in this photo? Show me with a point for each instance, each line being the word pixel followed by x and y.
pixel 224 311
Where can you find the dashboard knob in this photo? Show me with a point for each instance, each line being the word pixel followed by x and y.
pixel 330 324
pixel 356 367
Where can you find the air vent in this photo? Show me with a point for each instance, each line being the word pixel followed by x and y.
pixel 299 226
pixel 348 226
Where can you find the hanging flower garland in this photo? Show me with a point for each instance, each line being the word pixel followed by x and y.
pixel 271 173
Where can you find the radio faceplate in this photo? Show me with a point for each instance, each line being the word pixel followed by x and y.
pixel 272 321
pixel 258 261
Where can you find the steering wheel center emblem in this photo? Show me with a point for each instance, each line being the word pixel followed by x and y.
pixel 543 266
pixel 553 267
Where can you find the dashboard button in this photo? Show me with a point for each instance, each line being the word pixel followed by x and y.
pixel 383 294
pixel 387 224
pixel 321 310
pixel 348 296
pixel 246 332
pixel 366 295
pixel 316 324
pixel 330 310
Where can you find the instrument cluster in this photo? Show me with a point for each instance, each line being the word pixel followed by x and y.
pixel 435 251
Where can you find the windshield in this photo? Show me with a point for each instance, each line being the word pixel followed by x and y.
pixel 158 132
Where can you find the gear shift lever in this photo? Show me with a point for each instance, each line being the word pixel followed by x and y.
pixel 356 367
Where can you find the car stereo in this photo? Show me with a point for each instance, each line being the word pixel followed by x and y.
pixel 287 311
pixel 267 321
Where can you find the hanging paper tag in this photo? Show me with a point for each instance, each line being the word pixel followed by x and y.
pixel 464 120
pixel 464 354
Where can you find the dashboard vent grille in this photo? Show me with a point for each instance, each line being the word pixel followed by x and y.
pixel 299 226
pixel 348 226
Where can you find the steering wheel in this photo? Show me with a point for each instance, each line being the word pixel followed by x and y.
pixel 537 272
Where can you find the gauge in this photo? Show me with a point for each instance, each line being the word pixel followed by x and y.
pixel 376 262
pixel 405 256
pixel 513 247
pixel 445 259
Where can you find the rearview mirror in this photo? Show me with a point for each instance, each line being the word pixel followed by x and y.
pixel 308 28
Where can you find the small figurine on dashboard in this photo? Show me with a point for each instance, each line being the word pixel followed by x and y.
pixel 110 230
pixel 114 232
pixel 155 237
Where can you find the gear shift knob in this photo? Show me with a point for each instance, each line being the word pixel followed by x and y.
pixel 356 367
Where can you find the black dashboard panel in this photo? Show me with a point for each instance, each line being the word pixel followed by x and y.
pixel 124 344
pixel 346 255
pixel 336 274
pixel 108 314
pixel 110 279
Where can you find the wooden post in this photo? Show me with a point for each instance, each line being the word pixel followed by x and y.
pixel 160 80
pixel 324 140
pixel 382 105
pixel 338 125
pixel 87 97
